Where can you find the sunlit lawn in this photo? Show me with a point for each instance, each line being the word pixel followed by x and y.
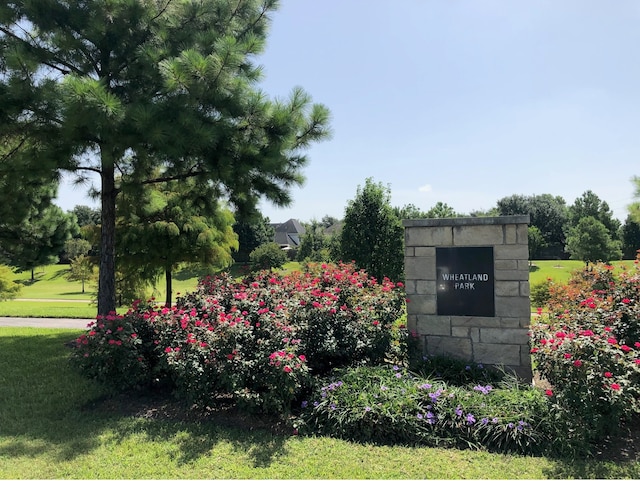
pixel 52 425
pixel 560 271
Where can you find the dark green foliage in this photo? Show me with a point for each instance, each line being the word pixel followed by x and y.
pixel 590 241
pixel 590 205
pixel 39 239
pixel 251 234
pixel 372 235
pixel 547 212
pixel 267 256
pixel 536 242
pixel 630 238
pixel 86 215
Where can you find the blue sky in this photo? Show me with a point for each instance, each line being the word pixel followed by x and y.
pixel 463 102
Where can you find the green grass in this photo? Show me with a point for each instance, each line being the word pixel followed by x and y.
pixel 60 309
pixel 52 425
pixel 560 271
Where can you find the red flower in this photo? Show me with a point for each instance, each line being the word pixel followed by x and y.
pixel 549 392
pixel 615 386
pixel 577 363
pixel 375 323
pixel 626 301
pixel 625 348
pixel 534 350
pixel 608 374
pixel 567 355
pixel 612 340
pixel 287 369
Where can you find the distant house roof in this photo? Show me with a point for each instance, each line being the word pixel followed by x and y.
pixel 288 233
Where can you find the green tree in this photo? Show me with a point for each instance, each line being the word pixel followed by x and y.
pixel 536 242
pixel 80 269
pixel 39 239
pixel 328 221
pixel 441 210
pixel 86 215
pixel 252 233
pixel 409 211
pixel 590 205
pixel 154 91
pixel 547 212
pixel 630 238
pixel 268 256
pixel 9 289
pixel 590 241
pixel 172 223
pixel 372 234
pixel 76 247
pixel 314 244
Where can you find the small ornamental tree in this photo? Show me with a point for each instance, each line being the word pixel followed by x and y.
pixel 80 269
pixel 9 289
pixel 267 256
pixel 372 235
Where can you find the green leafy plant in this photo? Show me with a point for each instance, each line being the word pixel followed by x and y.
pixel 258 340
pixel 588 349
pixel 267 256
pixel 388 404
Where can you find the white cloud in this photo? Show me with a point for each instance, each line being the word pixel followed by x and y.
pixel 425 188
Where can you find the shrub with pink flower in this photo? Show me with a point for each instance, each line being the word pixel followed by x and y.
pixel 261 338
pixel 589 348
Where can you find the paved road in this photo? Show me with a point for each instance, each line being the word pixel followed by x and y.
pixel 44 322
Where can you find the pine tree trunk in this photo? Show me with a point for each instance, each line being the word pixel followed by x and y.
pixel 167 275
pixel 107 274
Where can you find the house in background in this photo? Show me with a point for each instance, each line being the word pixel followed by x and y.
pixel 288 235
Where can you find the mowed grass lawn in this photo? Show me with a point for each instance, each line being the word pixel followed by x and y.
pixel 56 424
pixel 50 294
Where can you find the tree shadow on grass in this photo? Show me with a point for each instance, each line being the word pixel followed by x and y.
pixel 195 433
pixel 46 406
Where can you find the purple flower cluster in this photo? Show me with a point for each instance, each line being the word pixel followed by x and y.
pixel 483 389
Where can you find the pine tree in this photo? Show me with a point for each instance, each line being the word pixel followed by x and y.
pixel 168 224
pixel 149 91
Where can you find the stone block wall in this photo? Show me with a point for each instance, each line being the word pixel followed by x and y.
pixel 501 339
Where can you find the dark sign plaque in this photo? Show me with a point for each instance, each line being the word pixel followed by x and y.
pixel 465 281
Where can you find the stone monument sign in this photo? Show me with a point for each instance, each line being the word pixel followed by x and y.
pixel 467 282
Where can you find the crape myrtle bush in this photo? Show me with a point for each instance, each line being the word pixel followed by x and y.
pixel 259 340
pixel 389 404
pixel 589 350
